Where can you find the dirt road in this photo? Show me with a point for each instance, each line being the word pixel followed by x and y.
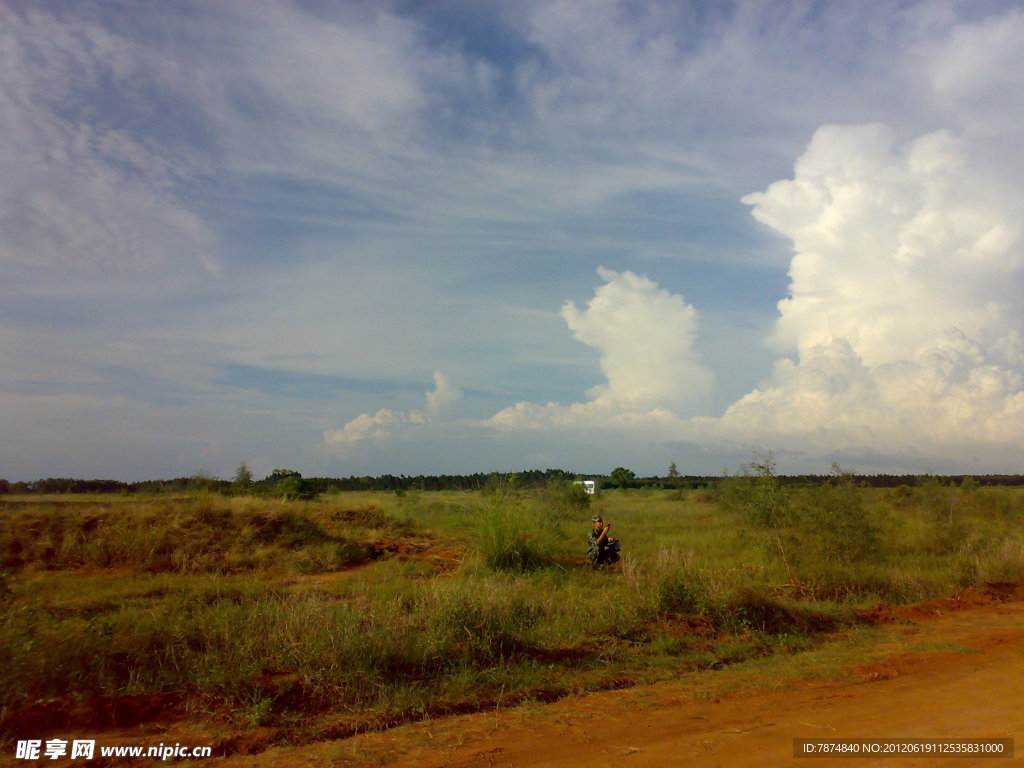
pixel 963 678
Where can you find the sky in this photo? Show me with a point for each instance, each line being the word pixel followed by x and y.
pixel 458 236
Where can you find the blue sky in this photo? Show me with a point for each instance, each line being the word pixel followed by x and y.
pixel 359 238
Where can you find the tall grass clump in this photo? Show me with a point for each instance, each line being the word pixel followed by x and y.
pixel 512 536
pixel 669 582
pixel 479 622
pixel 1001 564
pixel 810 529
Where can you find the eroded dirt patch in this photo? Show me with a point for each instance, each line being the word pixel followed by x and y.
pixel 442 556
pixel 973 597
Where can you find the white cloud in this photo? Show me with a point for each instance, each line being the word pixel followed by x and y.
pixel 905 308
pixel 893 244
pixel 442 395
pixel 904 314
pixel 646 337
pixel 377 426
pixel 387 424
pixel 974 71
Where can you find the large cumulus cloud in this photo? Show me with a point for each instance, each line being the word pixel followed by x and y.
pixel 653 370
pixel 904 305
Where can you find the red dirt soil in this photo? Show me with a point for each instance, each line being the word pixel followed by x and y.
pixel 442 556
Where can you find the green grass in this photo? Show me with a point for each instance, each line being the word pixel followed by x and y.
pixel 207 597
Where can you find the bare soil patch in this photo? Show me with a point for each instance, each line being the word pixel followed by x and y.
pixel 442 556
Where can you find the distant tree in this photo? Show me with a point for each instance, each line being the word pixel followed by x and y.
pixel 622 477
pixel 294 487
pixel 280 474
pixel 672 470
pixel 243 478
pixel 202 480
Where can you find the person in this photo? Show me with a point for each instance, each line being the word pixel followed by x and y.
pixel 602 549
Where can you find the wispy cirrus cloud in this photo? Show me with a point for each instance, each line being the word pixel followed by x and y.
pixel 89 188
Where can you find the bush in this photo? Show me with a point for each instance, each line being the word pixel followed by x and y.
pixel 565 499
pixel 666 583
pixel 297 489
pixel 758 496
pixel 835 524
pixel 1001 564
pixel 677 584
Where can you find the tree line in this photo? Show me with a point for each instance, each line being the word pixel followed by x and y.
pixel 291 483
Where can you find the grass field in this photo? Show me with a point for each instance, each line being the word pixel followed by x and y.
pixel 374 608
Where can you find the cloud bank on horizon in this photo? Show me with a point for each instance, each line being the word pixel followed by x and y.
pixel 230 234
pixel 902 316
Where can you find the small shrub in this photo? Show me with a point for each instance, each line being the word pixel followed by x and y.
pixel 753 607
pixel 946 538
pixel 668 582
pixel 936 498
pixel 259 712
pixel 678 584
pixel 902 496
